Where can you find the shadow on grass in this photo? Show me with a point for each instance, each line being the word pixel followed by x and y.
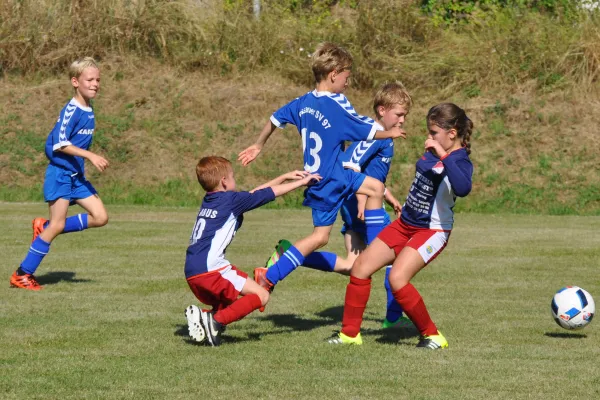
pixel 329 316
pixel 293 323
pixel 296 323
pixel 333 316
pixel 394 334
pixel 182 331
pixel 566 335
pixel 52 278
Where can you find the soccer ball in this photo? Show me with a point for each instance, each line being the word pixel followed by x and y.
pixel 572 307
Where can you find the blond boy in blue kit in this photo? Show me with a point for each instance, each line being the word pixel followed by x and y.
pixel 65 183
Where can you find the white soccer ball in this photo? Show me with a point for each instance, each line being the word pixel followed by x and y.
pixel 572 307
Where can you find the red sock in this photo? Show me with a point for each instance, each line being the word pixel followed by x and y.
pixel 357 295
pixel 238 309
pixel 412 303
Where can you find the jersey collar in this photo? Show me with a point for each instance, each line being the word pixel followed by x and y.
pixel 321 94
pixel 76 103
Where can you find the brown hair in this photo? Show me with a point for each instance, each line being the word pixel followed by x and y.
pixel 450 116
pixel 210 170
pixel 329 57
pixel 390 94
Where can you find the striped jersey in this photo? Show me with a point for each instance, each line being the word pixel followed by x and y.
pixel 219 218
pixel 371 157
pixel 434 190
pixel 325 121
pixel 75 126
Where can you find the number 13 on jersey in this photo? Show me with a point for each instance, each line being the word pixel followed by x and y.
pixel 313 151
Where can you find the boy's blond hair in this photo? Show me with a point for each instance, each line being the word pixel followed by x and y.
pixel 80 64
pixel 329 57
pixel 210 170
pixel 390 94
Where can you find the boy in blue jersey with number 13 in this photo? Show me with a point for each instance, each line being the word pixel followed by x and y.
pixel 391 105
pixel 65 183
pixel 325 119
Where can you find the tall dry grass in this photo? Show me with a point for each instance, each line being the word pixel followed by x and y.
pixel 498 48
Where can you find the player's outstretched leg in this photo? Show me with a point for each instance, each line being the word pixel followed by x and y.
pixel 195 329
pixel 212 328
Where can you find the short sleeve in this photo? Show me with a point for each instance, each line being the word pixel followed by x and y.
pixel 246 201
pixel 286 115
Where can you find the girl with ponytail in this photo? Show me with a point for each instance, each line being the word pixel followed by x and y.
pixel 415 239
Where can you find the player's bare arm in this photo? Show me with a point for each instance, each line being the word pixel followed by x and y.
pixel 284 188
pixel 393 202
pixel 436 147
pixel 361 203
pixel 249 154
pixel 394 133
pixel 99 162
pixel 292 175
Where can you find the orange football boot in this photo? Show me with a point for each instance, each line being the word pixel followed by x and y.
pixel 38 227
pixel 26 281
pixel 261 279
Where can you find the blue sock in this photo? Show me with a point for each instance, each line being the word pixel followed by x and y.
pixel 34 257
pixel 374 222
pixel 76 223
pixel 289 261
pixel 320 260
pixel 394 310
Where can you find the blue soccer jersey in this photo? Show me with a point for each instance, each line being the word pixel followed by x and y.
pixel 325 121
pixel 75 126
pixel 371 157
pixel 220 216
pixel 434 190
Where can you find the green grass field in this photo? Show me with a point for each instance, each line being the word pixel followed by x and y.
pixel 109 323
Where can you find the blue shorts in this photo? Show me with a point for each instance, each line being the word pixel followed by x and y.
pixel 62 184
pixel 327 217
pixel 349 212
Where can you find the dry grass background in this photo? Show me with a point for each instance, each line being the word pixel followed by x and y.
pixel 184 79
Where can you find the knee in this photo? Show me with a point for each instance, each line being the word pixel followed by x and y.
pixel 397 280
pixel 264 296
pixel 321 240
pixel 378 188
pixel 100 219
pixel 357 269
pixel 55 226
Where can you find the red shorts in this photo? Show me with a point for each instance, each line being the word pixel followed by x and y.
pixel 218 288
pixel 428 242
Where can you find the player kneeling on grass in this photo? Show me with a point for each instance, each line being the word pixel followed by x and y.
pixel 212 278
pixel 422 231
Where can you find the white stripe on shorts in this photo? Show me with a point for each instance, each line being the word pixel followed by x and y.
pixel 433 245
pixel 231 275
